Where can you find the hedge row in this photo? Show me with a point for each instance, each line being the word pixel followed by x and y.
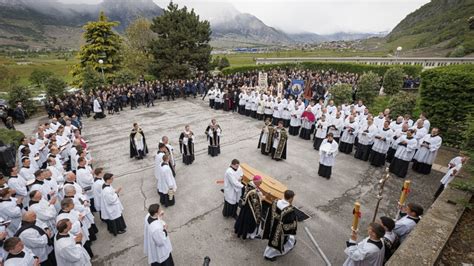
pixel 447 97
pixel 8 136
pixel 339 67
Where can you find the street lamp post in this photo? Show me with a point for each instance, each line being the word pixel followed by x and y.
pixel 101 62
pixel 397 54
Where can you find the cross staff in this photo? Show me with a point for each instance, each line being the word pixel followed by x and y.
pixel 379 196
pixel 403 196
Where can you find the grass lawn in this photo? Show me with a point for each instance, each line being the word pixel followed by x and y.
pixel 60 67
pixel 242 59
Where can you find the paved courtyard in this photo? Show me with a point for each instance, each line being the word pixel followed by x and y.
pixel 197 228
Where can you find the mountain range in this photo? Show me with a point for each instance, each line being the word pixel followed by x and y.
pixel 34 24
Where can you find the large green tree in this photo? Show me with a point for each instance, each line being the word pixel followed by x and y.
pixel 182 45
pixel 393 81
pixel 55 86
pixel 368 87
pixel 102 43
pixel 136 46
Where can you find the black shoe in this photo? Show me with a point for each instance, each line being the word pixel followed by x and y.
pixel 270 259
pixel 121 232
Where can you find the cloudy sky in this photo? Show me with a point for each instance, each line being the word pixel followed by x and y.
pixel 318 16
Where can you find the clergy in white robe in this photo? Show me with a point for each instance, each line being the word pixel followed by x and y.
pixel 336 125
pixel 97 188
pixel 285 114
pixel 350 131
pixel 295 121
pixel 327 155
pixel 111 207
pixel 365 140
pixel 321 132
pixel 405 224
pixel 85 179
pixel 36 237
pixel 157 244
pixel 368 252
pixel 232 189
pixel 268 109
pixel 426 153
pixel 166 183
pixel 97 108
pixel 45 210
pixel 26 172
pixel 67 246
pixel 277 110
pixel 382 140
pixel 19 185
pixel 10 210
pixel 448 177
pixel 404 154
pixel 18 254
pixel 68 212
pixel 248 104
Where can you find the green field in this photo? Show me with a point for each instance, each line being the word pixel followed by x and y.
pixel 24 66
pixel 242 59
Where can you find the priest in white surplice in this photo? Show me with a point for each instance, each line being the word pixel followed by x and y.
pixel 426 153
pixel 368 252
pixel 68 248
pixel 232 189
pixel 156 240
pixel 404 154
pixel 111 207
pixel 327 155
pixel 166 183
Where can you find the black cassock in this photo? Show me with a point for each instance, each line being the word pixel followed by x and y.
pixel 187 149
pixel 133 148
pixel 214 148
pixel 279 224
pixel 250 213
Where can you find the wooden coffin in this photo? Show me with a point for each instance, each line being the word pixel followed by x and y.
pixel 270 187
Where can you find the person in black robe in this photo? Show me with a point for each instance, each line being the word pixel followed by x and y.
pixel 186 145
pixel 248 221
pixel 280 227
pixel 138 147
pixel 279 143
pixel 213 132
pixel 266 138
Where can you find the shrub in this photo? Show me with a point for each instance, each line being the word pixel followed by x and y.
pixel 402 103
pixel 13 137
pixel 55 86
pixel 447 97
pixel 368 87
pixel 341 93
pixel 21 94
pixel 379 104
pixel 393 81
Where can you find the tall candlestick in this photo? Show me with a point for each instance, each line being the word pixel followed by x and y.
pixel 356 213
pixel 405 191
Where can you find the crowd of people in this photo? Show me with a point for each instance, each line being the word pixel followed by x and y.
pixel 53 198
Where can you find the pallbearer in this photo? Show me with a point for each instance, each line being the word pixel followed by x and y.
pixel 138 148
pixel 248 222
pixel 327 155
pixel 186 145
pixel 280 227
pixel 232 189
pixel 266 138
pixel 426 153
pixel 213 132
